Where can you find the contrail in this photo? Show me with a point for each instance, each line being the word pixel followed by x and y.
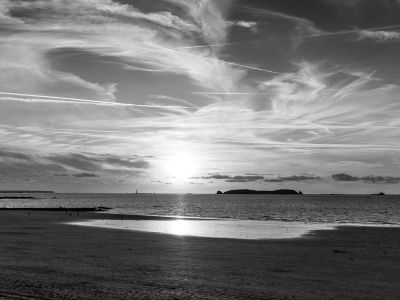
pixel 64 98
pixel 249 67
pixel 353 31
pixel 46 98
pixel 221 93
pixel 225 62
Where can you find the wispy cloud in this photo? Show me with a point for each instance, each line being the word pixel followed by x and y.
pixel 86 78
pixel 379 36
pixel 251 25
pixel 367 179
pixel 372 31
pixel 110 28
pixel 237 178
pixel 85 175
pixel 295 178
pixel 16 166
pixel 93 162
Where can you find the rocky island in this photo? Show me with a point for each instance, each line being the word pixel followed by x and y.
pixel 254 192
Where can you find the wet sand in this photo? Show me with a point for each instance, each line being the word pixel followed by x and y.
pixel 41 258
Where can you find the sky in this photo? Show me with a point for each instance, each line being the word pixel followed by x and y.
pixel 197 96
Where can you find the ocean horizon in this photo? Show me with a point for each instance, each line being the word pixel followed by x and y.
pixel 317 208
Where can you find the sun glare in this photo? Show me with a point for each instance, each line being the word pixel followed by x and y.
pixel 181 166
pixel 179 227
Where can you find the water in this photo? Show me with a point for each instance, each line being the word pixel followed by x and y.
pixel 212 228
pixel 332 209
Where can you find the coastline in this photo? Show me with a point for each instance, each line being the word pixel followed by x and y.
pixel 46 259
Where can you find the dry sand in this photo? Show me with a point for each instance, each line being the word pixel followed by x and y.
pixel 40 258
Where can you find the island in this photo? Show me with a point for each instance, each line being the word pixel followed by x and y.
pixel 254 192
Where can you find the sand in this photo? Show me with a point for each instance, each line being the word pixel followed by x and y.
pixel 41 258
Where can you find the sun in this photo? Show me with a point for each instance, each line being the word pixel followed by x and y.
pixel 181 166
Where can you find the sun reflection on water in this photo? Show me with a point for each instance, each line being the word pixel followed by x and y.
pixel 236 229
pixel 179 227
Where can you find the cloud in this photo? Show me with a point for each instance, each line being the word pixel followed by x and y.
pixel 24 68
pixel 293 94
pixel 208 15
pixel 217 176
pixel 93 162
pixel 238 178
pixel 116 161
pixel 65 112
pixel 10 155
pixel 163 99
pixel 251 25
pixel 330 99
pixel 300 26
pixel 76 161
pixel 367 179
pixel 245 178
pixel 16 166
pixel 108 28
pixel 380 179
pixel 379 36
pixel 296 178
pixel 344 177
pixel 85 175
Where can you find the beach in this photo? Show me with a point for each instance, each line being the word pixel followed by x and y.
pixel 43 258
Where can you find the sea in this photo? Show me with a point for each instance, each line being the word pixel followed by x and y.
pixel 316 209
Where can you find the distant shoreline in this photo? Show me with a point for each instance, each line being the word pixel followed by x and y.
pixel 74 209
pixel 26 191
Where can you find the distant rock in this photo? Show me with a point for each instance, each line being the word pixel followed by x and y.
pixel 219 192
pixel 380 194
pixel 254 192
pixel 17 197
